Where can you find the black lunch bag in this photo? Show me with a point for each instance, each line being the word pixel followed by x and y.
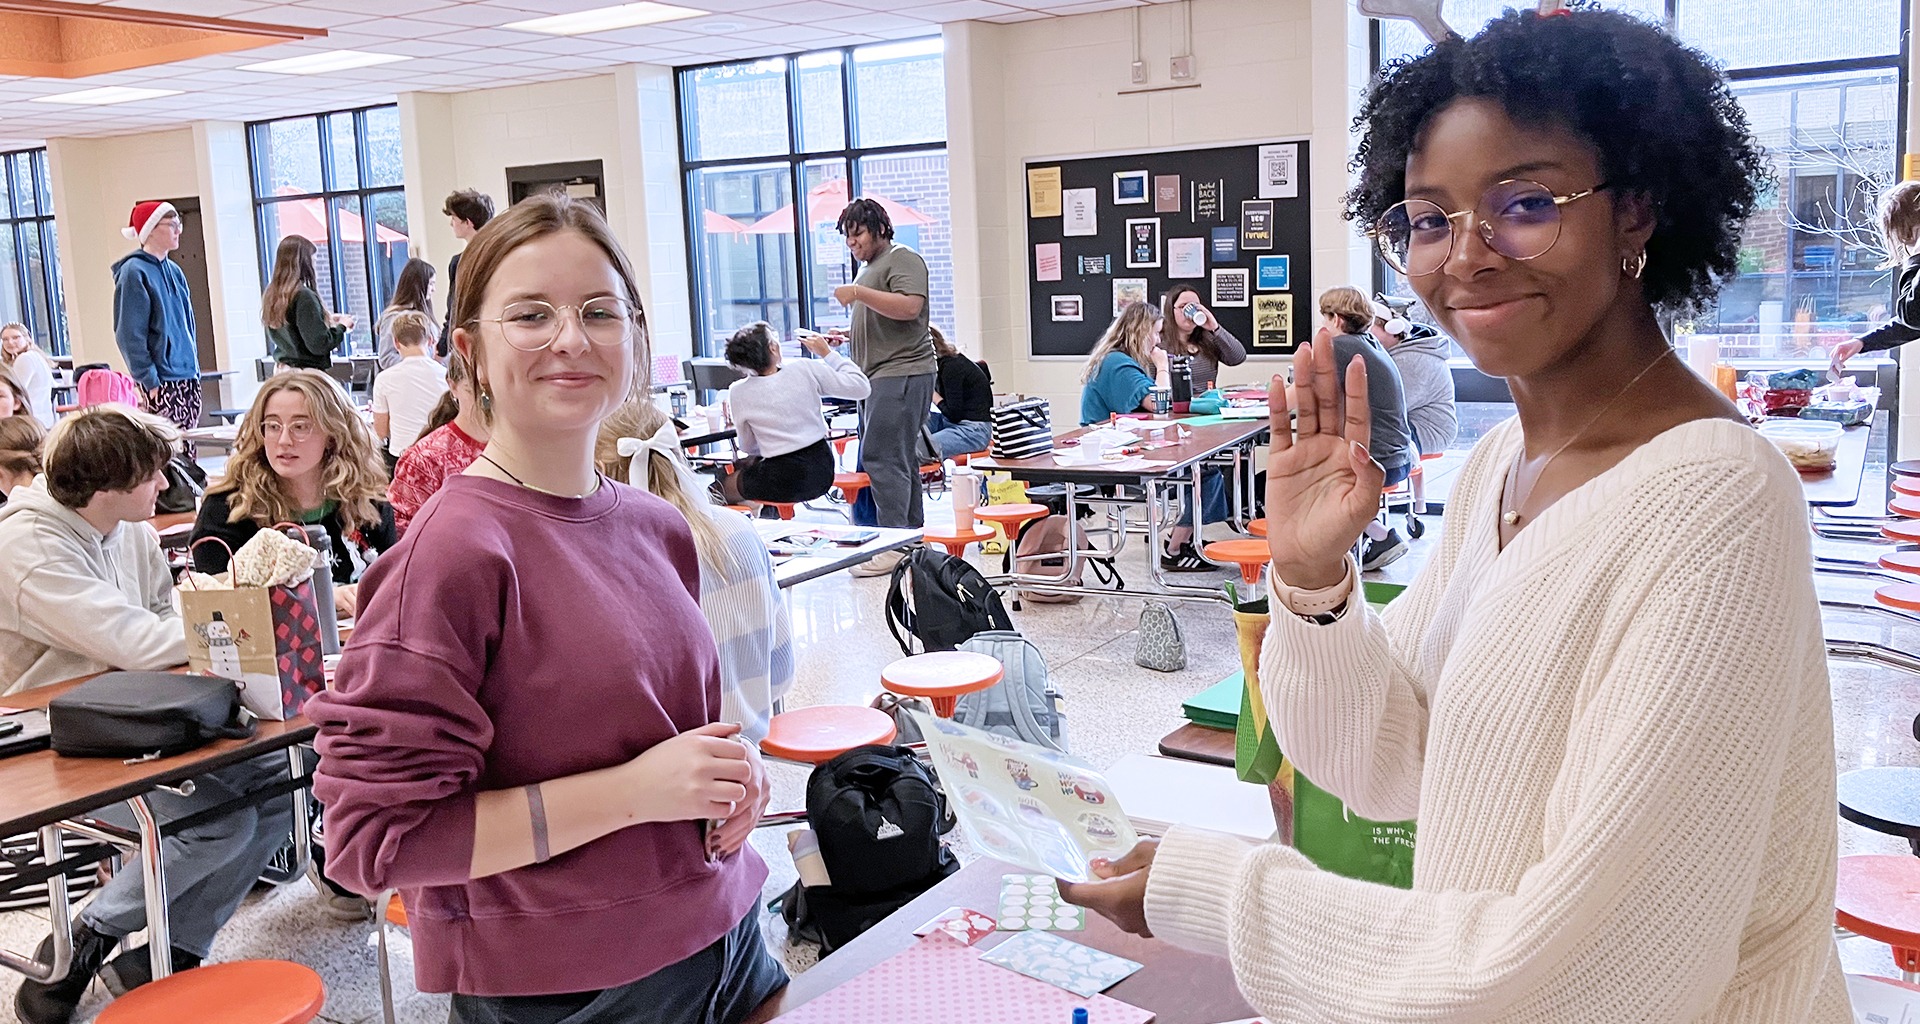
pixel 144 714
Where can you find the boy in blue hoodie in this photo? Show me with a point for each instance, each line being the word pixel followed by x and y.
pixel 153 316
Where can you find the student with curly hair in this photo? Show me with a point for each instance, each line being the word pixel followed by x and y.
pixel 303 455
pixel 1605 698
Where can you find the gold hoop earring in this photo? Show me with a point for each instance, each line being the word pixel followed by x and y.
pixel 1633 266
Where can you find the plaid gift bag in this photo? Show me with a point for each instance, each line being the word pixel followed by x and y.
pixel 266 638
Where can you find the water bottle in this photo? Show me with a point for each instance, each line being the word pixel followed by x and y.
pixel 1180 373
pixel 964 481
pixel 804 845
pixel 1195 314
pixel 323 587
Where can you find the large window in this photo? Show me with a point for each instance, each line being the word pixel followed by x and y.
pixel 818 128
pixel 29 253
pixel 1827 106
pixel 336 180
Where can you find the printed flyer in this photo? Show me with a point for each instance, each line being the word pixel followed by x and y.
pixel 1029 806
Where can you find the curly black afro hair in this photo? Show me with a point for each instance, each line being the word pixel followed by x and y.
pixel 1660 115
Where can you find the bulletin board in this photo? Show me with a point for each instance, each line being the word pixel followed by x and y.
pixel 1232 221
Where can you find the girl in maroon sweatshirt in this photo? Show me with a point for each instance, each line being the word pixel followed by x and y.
pixel 524 737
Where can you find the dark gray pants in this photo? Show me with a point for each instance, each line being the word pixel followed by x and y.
pixel 890 423
pixel 721 984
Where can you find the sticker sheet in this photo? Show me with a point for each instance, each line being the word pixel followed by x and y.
pixel 1079 969
pixel 1033 902
pixel 1032 807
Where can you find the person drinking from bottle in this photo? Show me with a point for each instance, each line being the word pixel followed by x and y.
pixel 1616 736
pixel 1190 329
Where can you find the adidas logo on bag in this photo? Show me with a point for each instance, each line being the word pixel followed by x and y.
pixel 887 830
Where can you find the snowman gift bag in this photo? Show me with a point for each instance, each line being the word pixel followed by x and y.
pixel 258 624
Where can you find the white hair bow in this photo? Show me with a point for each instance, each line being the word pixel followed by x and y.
pixel 666 441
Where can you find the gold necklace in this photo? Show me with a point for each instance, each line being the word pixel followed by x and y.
pixel 1512 515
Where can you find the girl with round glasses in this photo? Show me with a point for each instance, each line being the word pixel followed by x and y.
pixel 302 455
pixel 1605 698
pixel 525 733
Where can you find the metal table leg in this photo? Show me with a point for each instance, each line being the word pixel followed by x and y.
pixel 153 875
pixel 59 910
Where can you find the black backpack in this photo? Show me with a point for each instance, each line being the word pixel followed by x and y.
pixel 878 816
pixel 940 601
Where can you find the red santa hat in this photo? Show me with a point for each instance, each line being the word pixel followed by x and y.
pixel 145 216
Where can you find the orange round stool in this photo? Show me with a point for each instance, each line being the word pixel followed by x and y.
pixel 1874 898
pixel 241 992
pixel 1901 561
pixel 817 735
pixel 1012 520
pixel 1904 596
pixel 1249 555
pixel 1905 531
pixel 1907 485
pixel 1257 527
pixel 956 542
pixel 941 677
pixel 966 457
pixel 1905 507
pixel 785 508
pixel 851 484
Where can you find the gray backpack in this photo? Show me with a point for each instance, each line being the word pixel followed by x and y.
pixel 1022 704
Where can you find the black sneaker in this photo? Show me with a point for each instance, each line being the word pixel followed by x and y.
pixel 134 968
pixel 1186 560
pixel 1383 552
pixel 53 1002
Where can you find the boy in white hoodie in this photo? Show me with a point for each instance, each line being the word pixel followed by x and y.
pixel 84 589
pixel 83 585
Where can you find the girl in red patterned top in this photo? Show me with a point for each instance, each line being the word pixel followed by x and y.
pixel 455 435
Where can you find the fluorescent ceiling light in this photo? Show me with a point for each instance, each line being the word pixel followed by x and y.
pixel 109 94
pixel 321 63
pixel 606 19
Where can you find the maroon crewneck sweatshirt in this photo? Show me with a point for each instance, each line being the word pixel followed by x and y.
pixel 513 637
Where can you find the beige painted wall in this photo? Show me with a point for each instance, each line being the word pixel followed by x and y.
pixel 95 184
pixel 624 119
pixel 1052 88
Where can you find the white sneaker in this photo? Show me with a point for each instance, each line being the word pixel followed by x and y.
pixel 879 565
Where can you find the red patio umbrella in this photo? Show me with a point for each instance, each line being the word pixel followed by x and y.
pixel 824 203
pixel 308 219
pixel 721 224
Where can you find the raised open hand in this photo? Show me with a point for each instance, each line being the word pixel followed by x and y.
pixel 1322 486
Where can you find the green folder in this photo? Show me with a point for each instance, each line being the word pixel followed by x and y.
pixel 1218 706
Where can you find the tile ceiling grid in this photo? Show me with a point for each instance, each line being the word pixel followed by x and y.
pixel 458 45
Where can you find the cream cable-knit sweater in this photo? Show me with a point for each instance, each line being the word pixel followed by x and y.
pixel 1617 737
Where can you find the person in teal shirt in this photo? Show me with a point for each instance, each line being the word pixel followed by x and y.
pixel 1119 380
pixel 1121 369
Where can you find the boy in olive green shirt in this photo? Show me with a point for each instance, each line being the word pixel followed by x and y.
pixel 892 346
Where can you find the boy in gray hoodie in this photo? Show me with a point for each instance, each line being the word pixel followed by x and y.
pixel 84 589
pixel 83 585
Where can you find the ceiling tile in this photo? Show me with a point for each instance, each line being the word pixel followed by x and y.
pixel 383 8
pixel 804 12
pixel 875 23
pixel 1009 19
pixel 199 8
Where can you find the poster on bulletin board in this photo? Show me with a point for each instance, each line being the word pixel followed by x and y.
pixel 1230 222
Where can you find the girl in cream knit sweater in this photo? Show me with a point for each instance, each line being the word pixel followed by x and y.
pixel 1605 698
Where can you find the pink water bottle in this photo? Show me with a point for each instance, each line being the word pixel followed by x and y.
pixel 966 497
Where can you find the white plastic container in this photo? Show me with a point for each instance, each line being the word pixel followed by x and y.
pixel 1811 445
pixel 964 481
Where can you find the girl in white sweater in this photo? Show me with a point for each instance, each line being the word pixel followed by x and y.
pixel 776 412
pixel 1605 698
